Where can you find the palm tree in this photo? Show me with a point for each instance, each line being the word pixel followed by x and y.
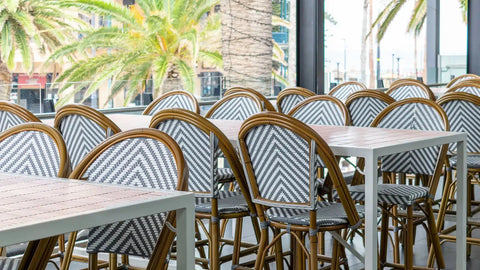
pixel 417 19
pixel 154 39
pixel 24 23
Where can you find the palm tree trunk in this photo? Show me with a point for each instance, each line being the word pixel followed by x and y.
pixel 363 53
pixel 247 43
pixel 370 49
pixel 5 81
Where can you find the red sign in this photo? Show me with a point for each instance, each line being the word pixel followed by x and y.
pixel 35 81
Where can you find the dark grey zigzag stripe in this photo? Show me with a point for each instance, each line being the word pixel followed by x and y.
pixel 343 92
pixel 464 116
pixel 408 91
pixel 288 102
pixel 8 120
pixel 81 135
pixel 196 148
pixel 174 101
pixel 141 162
pixel 239 108
pixel 469 89
pixel 29 152
pixel 320 112
pixel 280 160
pixel 415 116
pixel 364 110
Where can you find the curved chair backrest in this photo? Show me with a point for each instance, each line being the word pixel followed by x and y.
pixel 238 106
pixel 138 158
pixel 404 80
pixel 33 149
pixel 415 114
pixel 266 139
pixel 173 99
pixel 321 110
pixel 365 105
pixel 410 89
pixel 467 86
pixel 266 105
pixel 288 98
pixel 12 114
pixel 343 90
pixel 82 128
pixel 462 78
pixel 463 112
pixel 202 143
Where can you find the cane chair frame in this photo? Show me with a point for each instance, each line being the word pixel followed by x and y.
pixel 334 100
pixel 461 78
pixel 19 111
pixel 231 156
pixel 317 144
pixel 266 104
pixel 462 84
pixel 450 185
pixel 342 85
pixel 88 112
pixel 427 210
pixel 404 80
pixel 300 91
pixel 226 99
pixel 368 94
pixel 161 250
pixel 154 103
pixel 64 163
pixel 429 94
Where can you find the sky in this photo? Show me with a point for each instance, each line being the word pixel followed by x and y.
pixel 345 36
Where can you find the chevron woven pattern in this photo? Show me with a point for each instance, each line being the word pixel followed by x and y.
pixel 200 153
pixel 8 120
pixel 415 116
pixel 281 164
pixel 346 90
pixel 464 116
pixel 229 202
pixel 138 162
pixel 239 108
pixel 328 214
pixel 473 161
pixel 363 110
pixel 392 193
pixel 29 152
pixel 320 112
pixel 172 102
pixel 81 135
pixel 9 263
pixel 469 89
pixel 288 102
pixel 408 91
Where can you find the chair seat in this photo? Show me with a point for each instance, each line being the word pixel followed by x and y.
pixel 9 263
pixel 392 193
pixel 225 175
pixel 229 202
pixel 328 214
pixel 473 161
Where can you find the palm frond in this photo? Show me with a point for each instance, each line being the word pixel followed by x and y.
pixel 277 21
pixel 418 16
pixel 212 58
pixel 398 4
pixel 187 74
pixel 22 42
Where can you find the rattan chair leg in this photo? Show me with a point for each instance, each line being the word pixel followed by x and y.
pixel 67 257
pixel 278 251
pixel 201 248
pixel 125 259
pixel 384 237
pixel 61 247
pixel 335 254
pixel 112 258
pixel 409 239
pixel 237 241
pixel 93 261
pixel 259 264
pixel 321 244
pixel 434 236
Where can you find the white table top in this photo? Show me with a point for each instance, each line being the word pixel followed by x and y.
pixel 37 207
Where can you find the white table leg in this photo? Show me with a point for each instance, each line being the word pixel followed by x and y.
pixel 371 233
pixel 461 206
pixel 185 235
